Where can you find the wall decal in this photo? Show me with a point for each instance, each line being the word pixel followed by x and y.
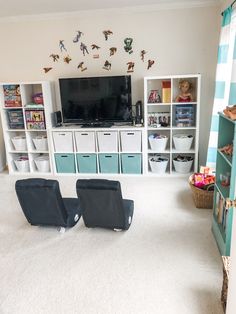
pixel 107 33
pixel 81 67
pixel 128 45
pixel 46 70
pixel 84 49
pixel 150 63
pixel 62 46
pixel 95 56
pixel 107 65
pixel 67 59
pixel 113 50
pixel 142 54
pixel 130 67
pixel 54 57
pixel 77 37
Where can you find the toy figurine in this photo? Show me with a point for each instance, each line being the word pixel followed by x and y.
pixel 107 65
pixel 54 56
pixel 142 54
pixel 84 49
pixel 81 67
pixel 150 63
pixel 185 87
pixel 128 45
pixel 62 46
pixel 113 50
pixel 230 112
pixel 77 37
pixel 130 67
pixel 107 33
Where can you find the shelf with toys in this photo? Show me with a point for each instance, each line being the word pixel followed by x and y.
pixel 171 110
pixel 26 115
pixel 224 194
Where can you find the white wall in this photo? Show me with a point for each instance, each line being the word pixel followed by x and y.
pixel 180 41
pixel 2 150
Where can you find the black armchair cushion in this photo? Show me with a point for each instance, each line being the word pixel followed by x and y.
pixel 102 204
pixel 42 203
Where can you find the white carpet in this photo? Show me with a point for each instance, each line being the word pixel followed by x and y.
pixel 166 263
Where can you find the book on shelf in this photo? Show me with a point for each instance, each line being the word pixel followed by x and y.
pixel 35 119
pixel 12 96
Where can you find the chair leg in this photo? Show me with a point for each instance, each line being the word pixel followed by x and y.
pixel 61 229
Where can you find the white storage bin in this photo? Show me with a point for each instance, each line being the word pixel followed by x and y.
pixel 183 166
pixel 158 164
pixel 85 142
pixel 63 141
pixel 22 164
pixel 107 141
pixel 40 143
pixel 182 142
pixel 42 163
pixel 131 141
pixel 19 143
pixel 158 143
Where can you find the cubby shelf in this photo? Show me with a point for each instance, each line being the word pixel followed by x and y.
pixel 182 118
pixel 225 165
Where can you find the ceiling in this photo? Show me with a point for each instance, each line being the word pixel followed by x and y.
pixel 18 8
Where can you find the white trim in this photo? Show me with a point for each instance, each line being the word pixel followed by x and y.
pixel 186 4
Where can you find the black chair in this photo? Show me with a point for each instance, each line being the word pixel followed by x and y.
pixel 102 204
pixel 42 203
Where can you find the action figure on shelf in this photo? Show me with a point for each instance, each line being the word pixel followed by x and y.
pixel 230 112
pixel 185 87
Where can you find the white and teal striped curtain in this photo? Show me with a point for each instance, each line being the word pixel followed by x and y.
pixel 225 85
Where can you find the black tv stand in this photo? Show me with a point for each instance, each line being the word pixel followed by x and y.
pixel 97 125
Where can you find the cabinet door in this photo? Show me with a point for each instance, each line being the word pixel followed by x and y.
pixel 63 141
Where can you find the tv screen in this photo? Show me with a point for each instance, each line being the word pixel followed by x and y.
pixel 91 99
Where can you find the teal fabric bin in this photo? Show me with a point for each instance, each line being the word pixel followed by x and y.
pixel 131 163
pixel 109 163
pixel 65 163
pixel 87 163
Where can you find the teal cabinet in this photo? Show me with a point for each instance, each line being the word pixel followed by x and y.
pixel 225 185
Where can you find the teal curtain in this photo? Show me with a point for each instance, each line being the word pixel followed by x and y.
pixel 225 84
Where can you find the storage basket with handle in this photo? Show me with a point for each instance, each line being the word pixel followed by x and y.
pixel 202 198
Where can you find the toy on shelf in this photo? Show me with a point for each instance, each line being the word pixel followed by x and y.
pixel 227 149
pixel 154 96
pixel 230 112
pixel 185 87
pixel 12 96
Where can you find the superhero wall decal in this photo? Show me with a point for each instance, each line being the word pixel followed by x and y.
pixel 64 53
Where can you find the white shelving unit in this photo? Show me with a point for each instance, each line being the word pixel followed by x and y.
pixel 165 90
pixel 18 106
pixel 98 151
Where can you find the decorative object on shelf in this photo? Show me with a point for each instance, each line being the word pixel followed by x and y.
pixel 81 67
pixel 12 96
pixel 128 45
pixel 113 50
pixel 130 67
pixel 38 98
pixel 67 59
pixel 227 149
pixel 158 119
pixel 154 96
pixel 46 70
pixel 185 88
pixel 166 91
pixel 230 112
pixel 35 119
pixel 158 142
pixel 62 46
pixel 15 119
pixel 150 63
pixel 202 193
pixel 152 118
pixel 77 37
pixel 225 179
pixel 158 163
pixel 107 65
pixel 107 33
pixel 55 57
pixel 142 54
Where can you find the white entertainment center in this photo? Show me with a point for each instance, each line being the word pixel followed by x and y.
pixel 34 146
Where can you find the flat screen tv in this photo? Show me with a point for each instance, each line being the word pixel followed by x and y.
pixel 96 99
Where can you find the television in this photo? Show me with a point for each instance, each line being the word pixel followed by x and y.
pixel 105 99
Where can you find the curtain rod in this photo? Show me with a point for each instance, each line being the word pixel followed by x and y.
pixel 230 5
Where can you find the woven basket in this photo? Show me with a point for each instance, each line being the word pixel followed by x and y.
pixel 202 198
